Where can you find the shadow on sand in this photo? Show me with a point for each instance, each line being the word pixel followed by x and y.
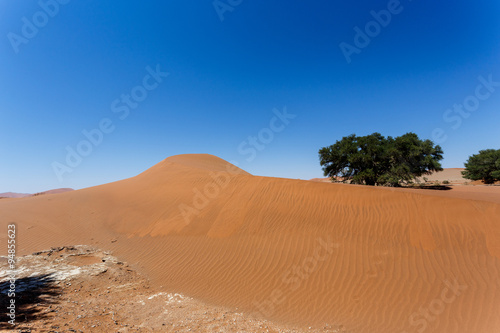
pixel 33 296
pixel 431 187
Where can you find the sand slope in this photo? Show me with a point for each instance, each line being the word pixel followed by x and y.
pixel 363 259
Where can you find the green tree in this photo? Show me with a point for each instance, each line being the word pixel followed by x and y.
pixel 376 160
pixel 484 166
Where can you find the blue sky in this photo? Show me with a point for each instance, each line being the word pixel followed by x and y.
pixel 225 78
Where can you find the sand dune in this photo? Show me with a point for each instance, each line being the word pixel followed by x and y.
pixel 14 195
pixel 452 175
pixel 474 191
pixel 357 258
pixel 23 195
pixel 55 191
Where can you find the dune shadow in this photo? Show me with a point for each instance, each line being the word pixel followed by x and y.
pixel 33 295
pixel 431 187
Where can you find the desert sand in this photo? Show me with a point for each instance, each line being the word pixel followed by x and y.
pixel 83 289
pixel 295 252
pixel 23 195
pixel 452 175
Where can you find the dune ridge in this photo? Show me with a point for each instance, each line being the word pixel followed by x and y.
pixel 308 253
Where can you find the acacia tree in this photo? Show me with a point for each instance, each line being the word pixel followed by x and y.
pixel 376 160
pixel 484 166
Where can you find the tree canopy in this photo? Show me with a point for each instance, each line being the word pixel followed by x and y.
pixel 484 166
pixel 377 160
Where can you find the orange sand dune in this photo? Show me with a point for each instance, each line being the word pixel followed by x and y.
pixel 357 258
pixel 452 175
pixel 470 192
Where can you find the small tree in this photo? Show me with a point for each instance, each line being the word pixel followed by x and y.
pixel 484 166
pixel 376 160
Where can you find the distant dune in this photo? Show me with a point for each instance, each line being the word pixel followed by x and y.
pixel 14 195
pixel 321 180
pixel 476 191
pixel 23 195
pixel 453 175
pixel 358 258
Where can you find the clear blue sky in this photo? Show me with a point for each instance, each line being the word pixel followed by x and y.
pixel 226 77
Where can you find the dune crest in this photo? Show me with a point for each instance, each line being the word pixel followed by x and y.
pixel 367 259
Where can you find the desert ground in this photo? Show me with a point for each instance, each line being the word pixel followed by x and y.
pixel 214 245
pixel 83 289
